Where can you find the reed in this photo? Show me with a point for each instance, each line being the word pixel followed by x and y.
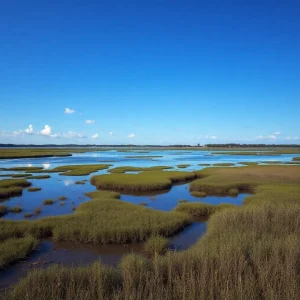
pixel 198 209
pixel 156 245
pixel 14 249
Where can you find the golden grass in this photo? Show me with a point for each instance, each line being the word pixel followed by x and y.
pixel 198 209
pixel 156 245
pixel 220 181
pixel 142 182
pixel 40 152
pixel 14 249
pixel 12 187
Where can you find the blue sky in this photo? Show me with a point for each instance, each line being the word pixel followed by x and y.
pixel 149 72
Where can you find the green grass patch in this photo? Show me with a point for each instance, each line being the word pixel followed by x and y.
pixel 156 245
pixel 248 163
pixel 20 175
pixel 223 165
pixel 10 192
pixel 222 181
pixel 12 187
pixel 15 249
pixel 79 170
pixel 142 182
pixel 7 183
pixel 20 169
pixel 40 152
pixel 198 194
pixel 183 166
pixel 204 165
pixel 137 169
pixel 297 158
pixel 39 177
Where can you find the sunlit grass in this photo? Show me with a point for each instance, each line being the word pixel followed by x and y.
pixel 156 245
pixel 142 182
pixel 12 187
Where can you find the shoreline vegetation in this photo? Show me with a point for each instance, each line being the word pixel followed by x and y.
pixel 248 252
pixel 11 151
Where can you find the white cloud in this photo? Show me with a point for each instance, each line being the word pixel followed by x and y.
pixel 95 136
pixel 29 130
pixel 69 111
pixel 293 138
pixel 260 137
pixel 211 137
pixel 277 133
pixel 132 135
pixel 272 137
pixel 90 121
pixel 46 131
pixel 111 133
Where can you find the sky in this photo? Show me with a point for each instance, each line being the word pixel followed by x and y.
pixel 149 72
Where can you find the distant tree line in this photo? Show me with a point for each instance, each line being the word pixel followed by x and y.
pixel 232 145
pixel 249 145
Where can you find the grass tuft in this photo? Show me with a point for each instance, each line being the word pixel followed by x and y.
pixel 15 249
pixel 201 209
pixel 156 245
